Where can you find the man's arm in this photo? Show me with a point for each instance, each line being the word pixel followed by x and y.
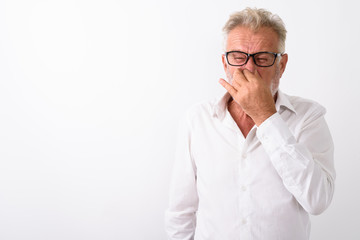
pixel 180 217
pixel 306 164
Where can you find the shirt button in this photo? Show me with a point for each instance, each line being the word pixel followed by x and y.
pixel 243 221
pixel 244 155
pixel 243 188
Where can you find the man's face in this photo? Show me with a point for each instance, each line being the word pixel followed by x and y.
pixel 264 40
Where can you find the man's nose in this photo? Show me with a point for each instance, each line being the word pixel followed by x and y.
pixel 250 65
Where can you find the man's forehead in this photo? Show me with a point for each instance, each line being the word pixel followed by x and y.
pixel 262 37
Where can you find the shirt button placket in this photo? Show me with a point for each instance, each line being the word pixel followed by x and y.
pixel 244 197
pixel 244 161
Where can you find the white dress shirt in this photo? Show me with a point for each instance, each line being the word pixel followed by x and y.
pixel 227 187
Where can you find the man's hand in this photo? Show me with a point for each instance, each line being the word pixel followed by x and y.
pixel 252 94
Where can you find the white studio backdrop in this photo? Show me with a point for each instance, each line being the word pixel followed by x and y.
pixel 91 93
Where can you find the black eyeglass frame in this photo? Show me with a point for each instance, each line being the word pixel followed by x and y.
pixel 252 55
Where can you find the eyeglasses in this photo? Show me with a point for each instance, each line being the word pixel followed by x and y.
pixel 261 59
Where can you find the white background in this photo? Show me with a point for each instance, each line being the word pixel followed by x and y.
pixel 91 93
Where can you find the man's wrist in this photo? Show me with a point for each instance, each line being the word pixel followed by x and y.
pixel 262 118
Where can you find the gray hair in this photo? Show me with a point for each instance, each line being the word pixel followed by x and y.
pixel 254 19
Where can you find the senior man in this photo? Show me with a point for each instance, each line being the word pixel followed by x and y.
pixel 255 163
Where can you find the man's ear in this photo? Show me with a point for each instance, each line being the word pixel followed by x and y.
pixel 283 62
pixel 224 62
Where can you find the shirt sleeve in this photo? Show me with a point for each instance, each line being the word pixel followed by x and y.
pixel 305 163
pixel 180 217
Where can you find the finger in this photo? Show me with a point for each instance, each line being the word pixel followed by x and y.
pixel 228 87
pixel 239 76
pixel 250 76
pixel 235 83
pixel 239 79
pixel 257 73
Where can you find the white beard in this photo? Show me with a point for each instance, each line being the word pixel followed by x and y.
pixel 274 86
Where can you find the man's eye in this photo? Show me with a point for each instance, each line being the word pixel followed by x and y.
pixel 262 60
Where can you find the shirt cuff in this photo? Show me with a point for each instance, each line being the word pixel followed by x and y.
pixel 274 133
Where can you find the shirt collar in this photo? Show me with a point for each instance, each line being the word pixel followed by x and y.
pixel 283 101
pixel 220 106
